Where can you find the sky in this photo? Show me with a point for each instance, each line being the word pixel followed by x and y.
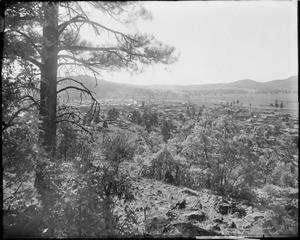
pixel 220 42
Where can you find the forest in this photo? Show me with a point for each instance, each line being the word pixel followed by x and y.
pixel 63 178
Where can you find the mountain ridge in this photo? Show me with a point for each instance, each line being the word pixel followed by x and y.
pixel 243 83
pixel 107 89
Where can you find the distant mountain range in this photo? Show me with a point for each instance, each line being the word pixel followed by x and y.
pixel 105 89
pixel 290 83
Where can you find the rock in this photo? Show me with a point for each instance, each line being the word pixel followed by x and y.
pixel 216 228
pixel 198 217
pixel 188 229
pixel 180 205
pixel 241 212
pixel 171 215
pixel 168 177
pixel 196 206
pixel 232 225
pixel 189 192
pixel 218 220
pixel 223 208
pixel 247 226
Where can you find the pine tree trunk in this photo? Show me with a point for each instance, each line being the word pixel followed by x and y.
pixel 49 77
pixel 48 91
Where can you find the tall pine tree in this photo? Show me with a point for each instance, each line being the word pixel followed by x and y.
pixel 47 36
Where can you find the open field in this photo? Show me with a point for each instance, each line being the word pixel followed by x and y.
pixel 290 101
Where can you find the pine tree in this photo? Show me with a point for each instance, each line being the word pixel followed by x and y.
pixel 46 36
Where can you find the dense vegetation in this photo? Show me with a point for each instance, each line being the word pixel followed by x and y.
pixel 92 175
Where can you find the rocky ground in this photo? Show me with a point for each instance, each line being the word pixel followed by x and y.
pixel 168 210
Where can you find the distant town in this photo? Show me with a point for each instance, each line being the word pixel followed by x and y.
pixel 177 113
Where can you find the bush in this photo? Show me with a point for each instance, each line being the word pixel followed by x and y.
pixel 86 182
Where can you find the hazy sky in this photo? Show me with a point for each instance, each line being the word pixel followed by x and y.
pixel 221 41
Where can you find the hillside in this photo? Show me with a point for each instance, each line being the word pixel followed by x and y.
pixel 104 89
pixel 288 83
pixel 205 213
pixel 246 84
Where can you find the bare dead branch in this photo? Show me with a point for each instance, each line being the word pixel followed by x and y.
pixel 30 98
pixel 76 88
pixel 70 114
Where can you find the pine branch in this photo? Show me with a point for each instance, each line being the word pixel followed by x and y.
pixel 24 55
pixel 63 26
pixel 95 25
pixel 15 115
pixel 27 37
